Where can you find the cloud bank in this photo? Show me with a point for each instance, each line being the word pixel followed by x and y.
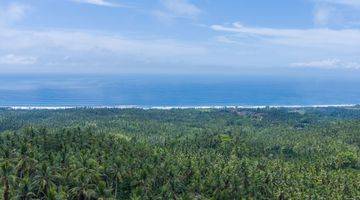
pixel 12 59
pixel 297 37
pixel 328 64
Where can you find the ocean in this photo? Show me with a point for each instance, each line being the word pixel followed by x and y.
pixel 177 90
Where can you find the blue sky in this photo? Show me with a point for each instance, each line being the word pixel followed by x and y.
pixel 178 36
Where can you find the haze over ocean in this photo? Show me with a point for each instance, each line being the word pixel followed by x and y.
pixel 176 90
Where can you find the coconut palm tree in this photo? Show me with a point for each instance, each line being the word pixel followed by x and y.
pixel 5 173
pixel 44 179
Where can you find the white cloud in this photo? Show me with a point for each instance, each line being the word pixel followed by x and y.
pixel 12 59
pixel 323 38
pixel 328 64
pixel 87 41
pixel 100 3
pixel 176 9
pixel 13 12
pixel 323 15
pixel 337 13
pixel 181 8
pixel 225 39
pixel 354 3
pixel 89 50
pixel 93 51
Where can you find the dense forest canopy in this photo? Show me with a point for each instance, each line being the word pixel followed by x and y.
pixel 270 153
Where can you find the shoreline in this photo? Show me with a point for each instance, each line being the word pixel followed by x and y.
pixel 175 107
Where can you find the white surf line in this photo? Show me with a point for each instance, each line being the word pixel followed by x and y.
pixel 248 107
pixel 173 107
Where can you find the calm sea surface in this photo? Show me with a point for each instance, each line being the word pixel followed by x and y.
pixel 182 90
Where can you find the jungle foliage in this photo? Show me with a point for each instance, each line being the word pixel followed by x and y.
pixel 270 153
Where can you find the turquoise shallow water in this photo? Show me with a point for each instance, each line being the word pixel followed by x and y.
pixel 171 90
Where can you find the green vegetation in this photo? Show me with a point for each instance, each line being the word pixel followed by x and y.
pixel 309 153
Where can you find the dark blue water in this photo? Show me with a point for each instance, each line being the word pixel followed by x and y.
pixel 171 90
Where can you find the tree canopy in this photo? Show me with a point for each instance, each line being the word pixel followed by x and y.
pixel 270 153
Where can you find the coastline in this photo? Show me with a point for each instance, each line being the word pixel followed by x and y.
pixel 175 107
